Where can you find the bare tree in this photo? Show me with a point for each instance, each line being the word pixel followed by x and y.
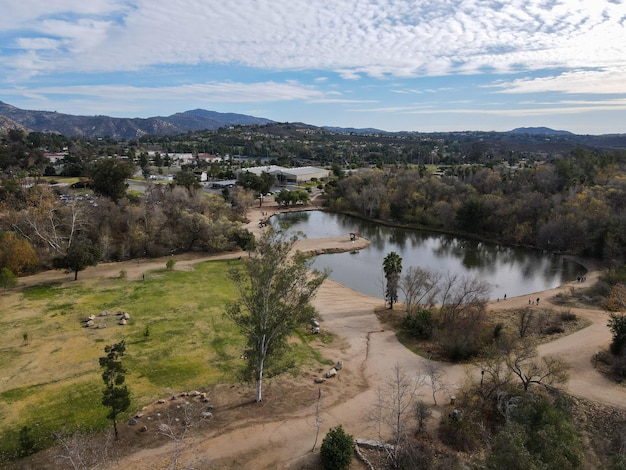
pixel 460 292
pixel 494 372
pixel 524 363
pixel 436 377
pixel 394 408
pixel 83 451
pixel 525 318
pixel 177 424
pixel 420 288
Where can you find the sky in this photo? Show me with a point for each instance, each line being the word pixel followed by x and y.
pixel 395 65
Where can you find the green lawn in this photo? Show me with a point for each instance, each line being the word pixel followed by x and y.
pixel 177 339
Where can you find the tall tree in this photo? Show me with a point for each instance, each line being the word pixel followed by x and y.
pixel 109 177
pixel 115 395
pixel 275 288
pixel 392 267
pixel 79 255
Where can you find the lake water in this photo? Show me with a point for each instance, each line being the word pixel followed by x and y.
pixel 508 270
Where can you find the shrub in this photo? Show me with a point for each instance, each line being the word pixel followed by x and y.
pixel 420 324
pixel 618 366
pixel 617 325
pixel 170 264
pixel 554 329
pixel 337 449
pixel 7 278
pixel 568 317
pixel 498 330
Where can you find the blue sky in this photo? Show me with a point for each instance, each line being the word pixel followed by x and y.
pixel 412 65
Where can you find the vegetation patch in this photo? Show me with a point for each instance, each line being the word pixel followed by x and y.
pixel 177 339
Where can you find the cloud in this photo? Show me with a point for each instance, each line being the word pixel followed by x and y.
pixel 604 81
pixel 228 92
pixel 353 38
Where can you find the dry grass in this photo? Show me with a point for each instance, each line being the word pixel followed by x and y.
pixel 177 339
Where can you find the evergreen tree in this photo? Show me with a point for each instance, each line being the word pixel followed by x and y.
pixel 116 395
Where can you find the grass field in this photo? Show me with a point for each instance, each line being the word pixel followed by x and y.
pixel 177 339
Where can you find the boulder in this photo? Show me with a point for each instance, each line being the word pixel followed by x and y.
pixel 89 323
pixel 331 373
pixel 123 321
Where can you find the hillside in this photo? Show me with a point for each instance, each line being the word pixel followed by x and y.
pixel 524 138
pixel 122 128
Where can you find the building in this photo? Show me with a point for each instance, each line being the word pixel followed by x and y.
pixel 302 175
pixel 290 175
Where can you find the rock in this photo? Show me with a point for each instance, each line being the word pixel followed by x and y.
pixel 89 323
pixel 144 428
pixel 173 397
pixel 139 416
pixel 160 402
pixel 132 422
pixel 315 330
pixel 331 373
pixel 104 313
pixel 195 393
pixel 125 316
pixel 123 321
pixel 207 414
pixel 339 365
pixel 319 380
pixel 91 317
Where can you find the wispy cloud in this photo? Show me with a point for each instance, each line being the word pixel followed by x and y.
pixel 605 81
pixel 401 38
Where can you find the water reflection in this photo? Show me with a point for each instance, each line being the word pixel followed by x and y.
pixel 508 270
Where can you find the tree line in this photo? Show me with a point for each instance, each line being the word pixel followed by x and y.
pixel 574 205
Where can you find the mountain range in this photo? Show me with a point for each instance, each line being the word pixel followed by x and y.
pixel 120 128
pixel 12 117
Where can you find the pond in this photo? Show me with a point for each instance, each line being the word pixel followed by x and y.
pixel 512 271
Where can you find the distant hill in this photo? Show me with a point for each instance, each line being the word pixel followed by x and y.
pixel 201 119
pixel 121 128
pixel 352 130
pixel 539 130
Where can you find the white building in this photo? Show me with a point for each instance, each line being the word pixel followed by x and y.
pixel 290 175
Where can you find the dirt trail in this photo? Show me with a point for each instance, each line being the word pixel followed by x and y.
pixel 368 356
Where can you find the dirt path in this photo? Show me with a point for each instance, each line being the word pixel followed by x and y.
pixel 369 354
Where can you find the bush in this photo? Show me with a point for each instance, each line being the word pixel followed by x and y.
pixel 170 264
pixel 7 278
pixel 568 316
pixel 420 324
pixel 337 449
pixel 617 325
pixel 554 329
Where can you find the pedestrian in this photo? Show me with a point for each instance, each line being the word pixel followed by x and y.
pixel 537 300
pixel 504 296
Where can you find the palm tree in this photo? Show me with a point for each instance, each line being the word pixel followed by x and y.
pixel 392 266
